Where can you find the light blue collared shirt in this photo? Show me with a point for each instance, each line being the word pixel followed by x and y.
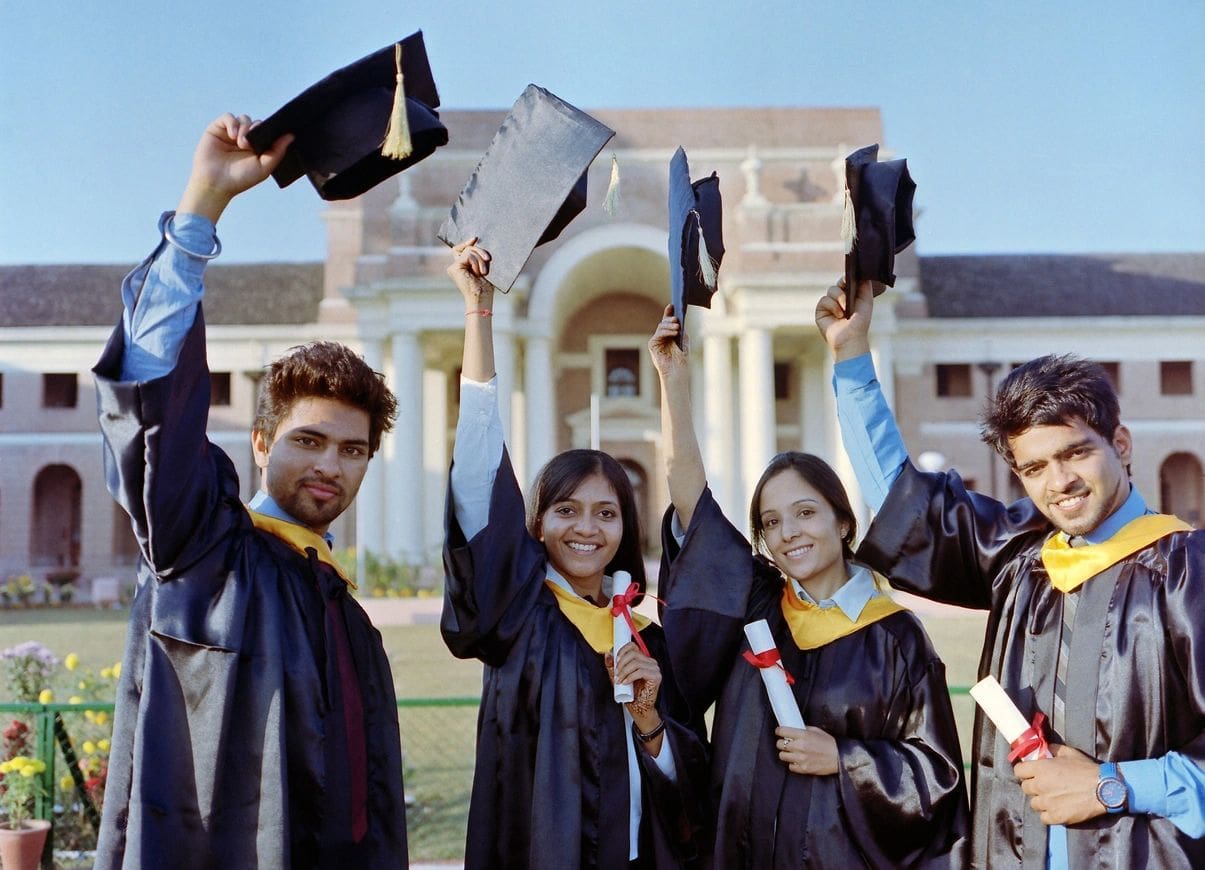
pixel 851 599
pixel 264 504
pixel 1172 786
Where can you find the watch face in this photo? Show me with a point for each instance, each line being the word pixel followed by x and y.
pixel 1112 793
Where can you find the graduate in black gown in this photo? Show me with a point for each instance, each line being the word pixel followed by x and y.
pixel 875 779
pixel 565 776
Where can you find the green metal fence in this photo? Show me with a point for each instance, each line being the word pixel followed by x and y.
pixel 438 748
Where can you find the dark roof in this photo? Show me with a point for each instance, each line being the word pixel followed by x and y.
pixel 1064 285
pixel 90 295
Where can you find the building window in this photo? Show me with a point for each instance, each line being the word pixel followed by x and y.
pixel 953 380
pixel 219 388
pixel 623 371
pixel 1113 373
pixel 782 381
pixel 1175 378
pixel 1 389
pixel 59 390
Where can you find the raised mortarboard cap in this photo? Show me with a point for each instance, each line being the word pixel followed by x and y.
pixel 696 238
pixel 877 223
pixel 361 124
pixel 530 183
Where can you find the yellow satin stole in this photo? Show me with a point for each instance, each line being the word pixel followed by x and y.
pixel 813 626
pixel 1070 567
pixel 299 538
pixel 595 623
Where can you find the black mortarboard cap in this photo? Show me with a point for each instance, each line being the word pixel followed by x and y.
pixel 342 123
pixel 696 238
pixel 530 183
pixel 878 219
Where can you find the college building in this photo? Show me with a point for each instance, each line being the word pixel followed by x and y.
pixel 571 338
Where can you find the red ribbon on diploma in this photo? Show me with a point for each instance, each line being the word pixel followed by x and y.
pixel 1031 738
pixel 621 605
pixel 768 659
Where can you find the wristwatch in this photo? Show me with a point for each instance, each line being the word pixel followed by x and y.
pixel 1111 789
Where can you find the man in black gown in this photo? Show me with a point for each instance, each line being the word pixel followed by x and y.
pixel 256 722
pixel 1094 610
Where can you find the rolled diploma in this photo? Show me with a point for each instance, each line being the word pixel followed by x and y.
pixel 782 699
pixel 1004 714
pixel 622 635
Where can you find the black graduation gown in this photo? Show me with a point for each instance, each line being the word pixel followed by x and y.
pixel 550 789
pixel 899 799
pixel 230 742
pixel 1137 669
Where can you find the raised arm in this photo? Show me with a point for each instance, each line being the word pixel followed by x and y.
pixel 684 461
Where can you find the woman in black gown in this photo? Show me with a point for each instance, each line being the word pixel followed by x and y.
pixel 565 777
pixel 875 779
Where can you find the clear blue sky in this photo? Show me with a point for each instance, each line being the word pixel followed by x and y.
pixel 1052 126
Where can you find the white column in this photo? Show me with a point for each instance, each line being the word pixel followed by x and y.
pixel 435 456
pixel 541 405
pixel 758 442
pixel 716 431
pixel 404 478
pixel 370 503
pixel 504 365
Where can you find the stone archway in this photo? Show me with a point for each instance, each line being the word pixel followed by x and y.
pixel 55 532
pixel 1181 485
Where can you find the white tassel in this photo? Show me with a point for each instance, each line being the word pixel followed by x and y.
pixel 611 202
pixel 397 137
pixel 849 223
pixel 707 266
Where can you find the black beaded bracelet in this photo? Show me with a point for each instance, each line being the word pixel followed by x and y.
pixel 652 735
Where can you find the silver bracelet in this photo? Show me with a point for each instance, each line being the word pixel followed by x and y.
pixel 165 227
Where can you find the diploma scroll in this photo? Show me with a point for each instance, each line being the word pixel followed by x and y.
pixel 622 635
pixel 774 676
pixel 1026 739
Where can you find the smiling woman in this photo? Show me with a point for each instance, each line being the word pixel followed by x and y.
pixel 565 776
pixel 875 778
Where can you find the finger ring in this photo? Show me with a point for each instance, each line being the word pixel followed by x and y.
pixel 786 741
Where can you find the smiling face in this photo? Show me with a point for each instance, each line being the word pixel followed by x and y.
pixel 581 533
pixel 315 463
pixel 1074 476
pixel 802 533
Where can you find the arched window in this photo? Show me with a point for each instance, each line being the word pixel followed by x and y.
pixel 1180 488
pixel 640 489
pixel 55 534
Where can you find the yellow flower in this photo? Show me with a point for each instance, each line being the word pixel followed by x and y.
pixel 29 771
pixel 83 684
pixel 89 747
pixel 90 715
pixel 117 671
pixel 101 717
pixel 6 766
pixel 103 744
pixel 66 783
pixel 75 699
pixel 46 697
pixel 71 662
pixel 106 673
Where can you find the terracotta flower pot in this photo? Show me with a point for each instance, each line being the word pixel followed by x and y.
pixel 21 849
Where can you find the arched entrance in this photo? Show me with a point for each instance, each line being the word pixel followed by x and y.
pixel 55 534
pixel 1180 488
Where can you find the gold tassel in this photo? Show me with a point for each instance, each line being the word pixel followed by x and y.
pixel 611 203
pixel 849 223
pixel 397 138
pixel 707 267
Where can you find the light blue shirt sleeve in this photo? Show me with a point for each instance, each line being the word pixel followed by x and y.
pixel 1172 787
pixel 476 454
pixel 160 297
pixel 868 429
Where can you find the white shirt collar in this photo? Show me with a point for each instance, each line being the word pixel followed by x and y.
pixel 852 597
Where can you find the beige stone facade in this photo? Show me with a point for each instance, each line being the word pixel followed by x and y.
pixel 571 336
